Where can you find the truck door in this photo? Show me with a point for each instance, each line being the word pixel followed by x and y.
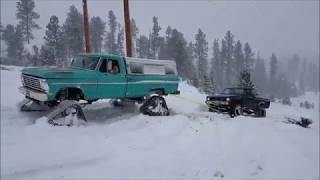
pixel 111 80
pixel 249 98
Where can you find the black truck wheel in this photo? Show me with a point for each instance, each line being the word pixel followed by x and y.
pixel 260 112
pixel 235 111
pixel 155 106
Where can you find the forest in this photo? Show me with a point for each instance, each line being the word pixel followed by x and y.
pixel 209 64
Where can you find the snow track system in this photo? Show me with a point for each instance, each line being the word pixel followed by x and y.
pixel 70 112
pixel 66 113
pixel 155 106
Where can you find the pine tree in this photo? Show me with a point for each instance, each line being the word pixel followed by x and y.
pixel 27 16
pixel 120 39
pixel 229 61
pixel 163 50
pixel 110 43
pixel 134 34
pixel 302 77
pixel 201 55
pixel 248 57
pixel 273 74
pixel 46 56
pixel 238 58
pixel 245 81
pixel 209 87
pixel 192 74
pixel 155 39
pixel 224 64
pixel 35 56
pixel 260 76
pixel 53 41
pixel 143 47
pixel 97 30
pixel 73 32
pixel 216 71
pixel 13 37
pixel 292 68
pixel 177 50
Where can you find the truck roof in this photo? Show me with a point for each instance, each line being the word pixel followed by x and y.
pixel 100 54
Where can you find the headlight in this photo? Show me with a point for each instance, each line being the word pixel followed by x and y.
pixel 22 81
pixel 228 99
pixel 44 85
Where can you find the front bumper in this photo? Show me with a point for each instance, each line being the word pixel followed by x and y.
pixel 40 96
pixel 219 105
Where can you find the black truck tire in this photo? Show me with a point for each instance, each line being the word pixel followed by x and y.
pixel 260 112
pixel 235 110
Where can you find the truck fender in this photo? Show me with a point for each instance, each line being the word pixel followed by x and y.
pixel 70 93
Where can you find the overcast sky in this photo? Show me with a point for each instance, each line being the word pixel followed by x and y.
pixel 283 27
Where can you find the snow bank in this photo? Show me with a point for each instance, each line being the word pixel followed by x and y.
pixel 191 143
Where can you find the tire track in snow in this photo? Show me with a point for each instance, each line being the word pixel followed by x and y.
pixel 55 167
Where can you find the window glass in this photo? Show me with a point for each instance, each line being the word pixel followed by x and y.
pixel 85 62
pixel 103 67
pixel 113 66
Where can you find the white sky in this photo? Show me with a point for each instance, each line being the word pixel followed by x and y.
pixel 283 27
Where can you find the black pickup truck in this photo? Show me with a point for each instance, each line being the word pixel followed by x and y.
pixel 237 101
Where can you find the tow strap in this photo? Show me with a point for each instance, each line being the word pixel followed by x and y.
pixel 190 100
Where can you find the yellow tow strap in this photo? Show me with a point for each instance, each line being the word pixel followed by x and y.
pixel 189 100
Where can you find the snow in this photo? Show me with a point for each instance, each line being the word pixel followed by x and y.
pixel 191 143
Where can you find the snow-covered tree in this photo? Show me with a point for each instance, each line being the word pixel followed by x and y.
pixel 110 42
pixel 239 65
pixel 155 39
pixel 97 30
pixel 13 37
pixel 53 41
pixel 216 71
pixel 73 32
pixel 143 47
pixel 245 80
pixel 120 39
pixel 248 57
pixel 228 60
pixel 134 35
pixel 201 55
pixel 273 74
pixel 260 75
pixel 46 56
pixel 27 16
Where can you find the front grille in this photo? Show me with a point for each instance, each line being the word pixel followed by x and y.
pixel 32 82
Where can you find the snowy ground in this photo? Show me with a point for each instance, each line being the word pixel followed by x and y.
pixel 191 143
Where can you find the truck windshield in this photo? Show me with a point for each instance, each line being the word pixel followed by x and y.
pixel 232 91
pixel 85 62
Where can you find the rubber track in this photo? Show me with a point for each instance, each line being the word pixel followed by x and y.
pixel 62 107
pixel 144 109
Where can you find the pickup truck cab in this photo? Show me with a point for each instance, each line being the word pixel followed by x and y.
pixel 100 76
pixel 235 101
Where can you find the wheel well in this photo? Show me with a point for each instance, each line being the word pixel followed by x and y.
pixel 261 104
pixel 159 91
pixel 70 93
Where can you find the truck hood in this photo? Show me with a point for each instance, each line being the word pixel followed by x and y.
pixel 55 73
pixel 221 97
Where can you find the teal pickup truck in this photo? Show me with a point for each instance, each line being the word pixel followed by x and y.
pixel 91 77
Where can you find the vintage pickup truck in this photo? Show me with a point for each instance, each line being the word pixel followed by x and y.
pixel 103 76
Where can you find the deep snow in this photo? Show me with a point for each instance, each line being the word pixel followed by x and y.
pixel 191 143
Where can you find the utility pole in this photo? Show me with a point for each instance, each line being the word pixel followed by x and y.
pixel 86 26
pixel 127 27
